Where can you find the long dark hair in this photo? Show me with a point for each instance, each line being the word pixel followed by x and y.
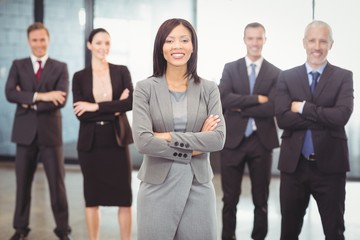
pixel 159 62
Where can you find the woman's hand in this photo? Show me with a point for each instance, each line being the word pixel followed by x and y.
pixel 81 107
pixel 124 94
pixel 210 123
pixel 164 136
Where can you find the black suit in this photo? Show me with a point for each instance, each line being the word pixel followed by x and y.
pixel 38 134
pixel 255 150
pixel 325 112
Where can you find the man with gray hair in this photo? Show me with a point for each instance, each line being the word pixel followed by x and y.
pixel 313 104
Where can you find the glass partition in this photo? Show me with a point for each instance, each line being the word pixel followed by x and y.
pixel 65 22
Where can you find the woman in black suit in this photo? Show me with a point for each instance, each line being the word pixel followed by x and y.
pixel 102 91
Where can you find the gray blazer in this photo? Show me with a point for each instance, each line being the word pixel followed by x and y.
pixel 152 112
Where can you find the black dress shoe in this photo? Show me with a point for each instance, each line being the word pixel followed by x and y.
pixel 229 238
pixel 65 237
pixel 18 236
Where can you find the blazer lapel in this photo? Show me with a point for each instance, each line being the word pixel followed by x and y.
pixel 303 76
pixel 28 66
pixel 86 85
pixel 193 99
pixel 260 77
pixel 324 78
pixel 46 71
pixel 164 102
pixel 243 81
pixel 114 77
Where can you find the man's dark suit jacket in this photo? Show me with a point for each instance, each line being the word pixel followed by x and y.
pixel 82 88
pixel 45 121
pixel 234 89
pixel 326 114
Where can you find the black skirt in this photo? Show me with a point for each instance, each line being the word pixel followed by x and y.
pixel 106 170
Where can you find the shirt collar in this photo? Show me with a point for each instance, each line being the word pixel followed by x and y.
pixel 257 62
pixel 43 59
pixel 320 69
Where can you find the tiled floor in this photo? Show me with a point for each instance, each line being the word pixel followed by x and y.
pixel 42 221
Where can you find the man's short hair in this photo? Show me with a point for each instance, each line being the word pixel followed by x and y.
pixel 37 26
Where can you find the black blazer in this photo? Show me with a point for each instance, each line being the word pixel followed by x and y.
pixel 326 114
pixel 45 121
pixel 235 94
pixel 82 91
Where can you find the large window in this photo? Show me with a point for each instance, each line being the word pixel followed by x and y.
pixel 132 26
pixel 219 24
pixel 64 21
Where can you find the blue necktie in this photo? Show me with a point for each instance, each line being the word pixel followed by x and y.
pixel 252 77
pixel 308 147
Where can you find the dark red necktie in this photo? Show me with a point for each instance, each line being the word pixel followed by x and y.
pixel 38 73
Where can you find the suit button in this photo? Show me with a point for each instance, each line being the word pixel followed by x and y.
pixel 175 154
pixel 181 145
pixel 180 154
pixel 185 155
pixel 187 145
pixel 176 143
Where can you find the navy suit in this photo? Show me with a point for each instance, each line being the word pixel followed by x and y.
pixel 326 113
pixel 38 134
pixel 256 150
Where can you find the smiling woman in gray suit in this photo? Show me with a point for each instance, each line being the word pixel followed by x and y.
pixel 177 121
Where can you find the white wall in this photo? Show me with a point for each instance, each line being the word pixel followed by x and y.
pixel 221 25
pixel 220 30
pixel 344 18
